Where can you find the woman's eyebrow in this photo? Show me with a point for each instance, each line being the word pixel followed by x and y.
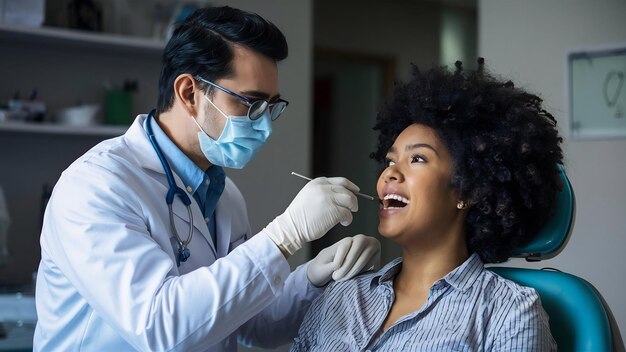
pixel 414 146
pixel 420 145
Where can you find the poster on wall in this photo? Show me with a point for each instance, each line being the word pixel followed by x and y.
pixel 597 92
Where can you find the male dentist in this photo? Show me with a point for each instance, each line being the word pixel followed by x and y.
pixel 146 245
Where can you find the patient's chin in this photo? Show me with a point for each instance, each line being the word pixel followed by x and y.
pixel 389 231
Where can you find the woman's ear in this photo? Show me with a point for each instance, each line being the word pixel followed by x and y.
pixel 185 93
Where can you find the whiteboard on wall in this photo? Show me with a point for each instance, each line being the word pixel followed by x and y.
pixel 597 92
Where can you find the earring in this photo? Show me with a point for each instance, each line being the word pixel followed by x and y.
pixel 461 205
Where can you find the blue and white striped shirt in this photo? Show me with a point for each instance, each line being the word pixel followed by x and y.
pixel 470 309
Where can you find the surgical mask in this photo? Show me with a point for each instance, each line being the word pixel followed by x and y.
pixel 238 143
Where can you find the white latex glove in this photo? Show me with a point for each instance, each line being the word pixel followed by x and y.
pixel 344 259
pixel 321 204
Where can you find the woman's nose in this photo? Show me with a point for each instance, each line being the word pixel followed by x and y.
pixel 392 173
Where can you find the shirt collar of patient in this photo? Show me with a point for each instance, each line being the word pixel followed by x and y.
pixel 461 278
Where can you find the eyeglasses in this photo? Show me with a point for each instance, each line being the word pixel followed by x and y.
pixel 256 108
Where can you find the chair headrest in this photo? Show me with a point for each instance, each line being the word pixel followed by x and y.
pixel 553 236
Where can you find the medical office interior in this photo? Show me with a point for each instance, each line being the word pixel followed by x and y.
pixel 83 78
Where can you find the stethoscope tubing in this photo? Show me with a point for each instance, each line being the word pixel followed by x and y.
pixel 173 189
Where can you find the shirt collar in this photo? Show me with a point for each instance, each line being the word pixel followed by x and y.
pixel 461 278
pixel 464 276
pixel 214 178
pixel 387 273
pixel 191 175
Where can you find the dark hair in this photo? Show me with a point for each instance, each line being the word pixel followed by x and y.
pixel 505 149
pixel 202 45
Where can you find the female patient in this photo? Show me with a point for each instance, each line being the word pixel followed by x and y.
pixel 470 173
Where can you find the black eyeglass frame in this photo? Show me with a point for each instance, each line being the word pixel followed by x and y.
pixel 256 108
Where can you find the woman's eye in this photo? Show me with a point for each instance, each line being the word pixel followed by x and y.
pixel 417 159
pixel 389 162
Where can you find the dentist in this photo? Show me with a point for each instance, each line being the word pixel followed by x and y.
pixel 146 245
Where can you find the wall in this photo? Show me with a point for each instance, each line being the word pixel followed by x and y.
pixel 528 41
pixel 458 36
pixel 406 30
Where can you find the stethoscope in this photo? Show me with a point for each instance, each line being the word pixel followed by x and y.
pixel 183 250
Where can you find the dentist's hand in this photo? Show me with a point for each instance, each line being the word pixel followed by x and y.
pixel 344 259
pixel 321 204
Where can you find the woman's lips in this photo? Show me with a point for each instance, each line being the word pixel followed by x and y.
pixel 393 204
pixel 394 200
pixel 389 211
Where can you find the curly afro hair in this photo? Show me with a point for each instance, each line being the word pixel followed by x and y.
pixel 505 149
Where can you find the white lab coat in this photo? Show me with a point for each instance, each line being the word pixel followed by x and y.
pixel 108 279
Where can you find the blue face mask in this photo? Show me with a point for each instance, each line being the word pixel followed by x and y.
pixel 239 142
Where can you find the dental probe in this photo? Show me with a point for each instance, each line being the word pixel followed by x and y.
pixel 357 193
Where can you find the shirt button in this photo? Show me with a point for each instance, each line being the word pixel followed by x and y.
pixel 206 220
pixel 189 189
pixel 206 183
pixel 277 280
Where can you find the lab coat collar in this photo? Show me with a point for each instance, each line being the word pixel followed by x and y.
pixel 224 220
pixel 137 140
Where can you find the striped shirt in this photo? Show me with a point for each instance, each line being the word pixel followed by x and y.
pixel 470 309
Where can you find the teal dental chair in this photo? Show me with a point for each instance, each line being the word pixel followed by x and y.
pixel 580 320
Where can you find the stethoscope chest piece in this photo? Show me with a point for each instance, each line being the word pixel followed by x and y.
pixel 181 254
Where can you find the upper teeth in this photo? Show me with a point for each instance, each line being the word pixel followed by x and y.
pixel 398 198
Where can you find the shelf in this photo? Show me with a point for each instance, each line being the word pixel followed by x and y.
pixel 62 37
pixel 58 129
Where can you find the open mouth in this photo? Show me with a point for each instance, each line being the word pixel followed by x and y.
pixel 394 201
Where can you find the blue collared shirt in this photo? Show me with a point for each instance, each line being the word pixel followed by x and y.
pixel 470 309
pixel 206 187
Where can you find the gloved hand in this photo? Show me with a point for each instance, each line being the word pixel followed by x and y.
pixel 320 205
pixel 344 259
